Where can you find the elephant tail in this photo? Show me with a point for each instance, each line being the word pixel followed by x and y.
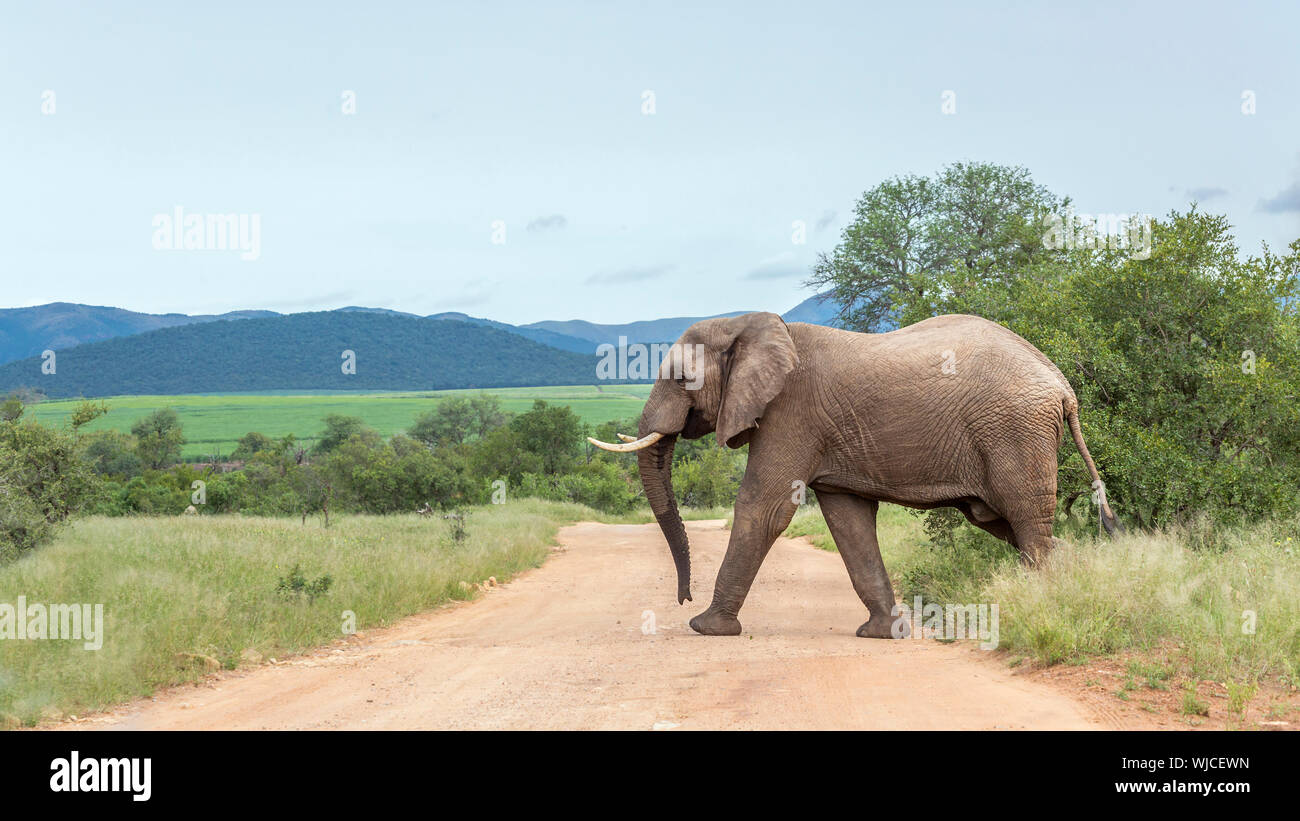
pixel 1108 518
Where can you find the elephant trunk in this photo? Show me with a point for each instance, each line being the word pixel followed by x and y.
pixel 655 464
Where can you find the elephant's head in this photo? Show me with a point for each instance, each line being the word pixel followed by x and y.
pixel 720 376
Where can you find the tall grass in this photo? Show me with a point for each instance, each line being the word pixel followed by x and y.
pixel 1223 601
pixel 207 586
pixel 1231 613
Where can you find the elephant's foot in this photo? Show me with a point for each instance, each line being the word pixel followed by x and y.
pixel 884 628
pixel 715 623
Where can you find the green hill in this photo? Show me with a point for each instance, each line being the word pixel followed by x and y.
pixel 303 352
pixel 28 331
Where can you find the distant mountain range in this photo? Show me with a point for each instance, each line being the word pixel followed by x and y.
pixel 59 325
pixel 102 351
pixel 302 352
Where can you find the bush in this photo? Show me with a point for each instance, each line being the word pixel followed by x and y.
pixel 22 526
pixel 112 453
pixel 155 493
pixel 600 485
pixel 709 479
pixel 43 481
pixel 251 444
pixel 227 492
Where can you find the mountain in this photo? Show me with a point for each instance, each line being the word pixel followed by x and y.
pixel 818 310
pixel 72 331
pixel 546 337
pixel 28 331
pixel 303 352
pixel 815 310
pixel 650 330
pixel 389 311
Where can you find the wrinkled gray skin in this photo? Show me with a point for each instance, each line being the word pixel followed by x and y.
pixel 954 411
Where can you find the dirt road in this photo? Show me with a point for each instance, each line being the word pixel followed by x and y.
pixel 563 647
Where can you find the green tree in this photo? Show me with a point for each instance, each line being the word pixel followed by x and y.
pixel 488 414
pixel 43 481
pixel 914 239
pixel 456 420
pixel 252 443
pixel 339 428
pixel 1186 365
pixel 159 438
pixel 85 413
pixel 11 409
pixel 112 453
pixel 551 432
pixel 451 421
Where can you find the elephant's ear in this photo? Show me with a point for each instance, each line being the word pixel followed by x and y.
pixel 758 362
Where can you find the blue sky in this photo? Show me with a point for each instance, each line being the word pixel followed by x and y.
pixel 531 114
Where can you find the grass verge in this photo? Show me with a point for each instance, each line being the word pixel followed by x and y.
pixel 183 595
pixel 1224 609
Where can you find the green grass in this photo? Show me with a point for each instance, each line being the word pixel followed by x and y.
pixel 898 531
pixel 1227 610
pixel 1145 592
pixel 213 422
pixel 208 586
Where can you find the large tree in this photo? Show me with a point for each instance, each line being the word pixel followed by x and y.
pixel 914 241
pixel 456 420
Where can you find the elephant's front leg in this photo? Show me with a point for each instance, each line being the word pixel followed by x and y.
pixel 764 508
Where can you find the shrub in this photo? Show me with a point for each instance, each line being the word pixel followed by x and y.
pixel 43 481
pixel 600 485
pixel 709 479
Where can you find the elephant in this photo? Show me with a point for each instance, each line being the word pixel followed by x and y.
pixel 954 411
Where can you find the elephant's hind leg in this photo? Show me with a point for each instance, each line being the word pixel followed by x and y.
pixel 1025 494
pixel 852 522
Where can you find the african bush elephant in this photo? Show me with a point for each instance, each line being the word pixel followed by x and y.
pixel 953 411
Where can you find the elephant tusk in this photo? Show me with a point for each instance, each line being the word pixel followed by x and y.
pixel 626 438
pixel 627 447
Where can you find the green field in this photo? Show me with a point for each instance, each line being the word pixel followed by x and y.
pixel 213 422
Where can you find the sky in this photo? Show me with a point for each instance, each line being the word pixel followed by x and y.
pixel 608 162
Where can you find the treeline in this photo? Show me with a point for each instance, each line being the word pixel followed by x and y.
pixel 462 451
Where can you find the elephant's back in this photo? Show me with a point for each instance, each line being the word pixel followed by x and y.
pixel 964 351
pixel 997 350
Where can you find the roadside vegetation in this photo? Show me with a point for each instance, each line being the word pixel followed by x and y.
pixel 458 451
pixel 1174 607
pixel 274 551
pixel 185 596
